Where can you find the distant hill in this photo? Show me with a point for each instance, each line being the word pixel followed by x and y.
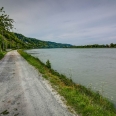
pixel 35 43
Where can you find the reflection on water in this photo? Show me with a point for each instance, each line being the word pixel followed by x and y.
pixel 89 67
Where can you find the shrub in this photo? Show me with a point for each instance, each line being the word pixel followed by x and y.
pixel 1 55
pixel 48 64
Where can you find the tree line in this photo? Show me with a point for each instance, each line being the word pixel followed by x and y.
pixel 35 43
pixel 112 45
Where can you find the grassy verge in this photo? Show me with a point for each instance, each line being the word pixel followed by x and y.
pixel 81 99
pixel 2 54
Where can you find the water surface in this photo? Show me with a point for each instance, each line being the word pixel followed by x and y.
pixel 95 68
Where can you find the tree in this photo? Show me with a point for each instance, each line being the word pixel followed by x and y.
pixel 6 24
pixel 48 64
pixel 111 45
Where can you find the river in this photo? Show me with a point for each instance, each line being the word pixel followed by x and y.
pixel 95 68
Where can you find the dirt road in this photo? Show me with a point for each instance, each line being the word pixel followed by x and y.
pixel 23 92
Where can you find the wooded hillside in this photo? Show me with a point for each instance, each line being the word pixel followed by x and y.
pixel 35 43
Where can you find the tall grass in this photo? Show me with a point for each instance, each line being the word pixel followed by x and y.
pixel 83 100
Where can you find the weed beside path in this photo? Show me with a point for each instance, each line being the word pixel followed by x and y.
pixel 83 100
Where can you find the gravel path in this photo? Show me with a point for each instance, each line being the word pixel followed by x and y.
pixel 23 92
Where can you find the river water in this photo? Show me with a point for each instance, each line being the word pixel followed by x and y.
pixel 95 68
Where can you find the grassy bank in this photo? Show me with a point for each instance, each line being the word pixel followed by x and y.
pixel 81 99
pixel 2 54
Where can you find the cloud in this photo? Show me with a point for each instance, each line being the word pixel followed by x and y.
pixel 68 21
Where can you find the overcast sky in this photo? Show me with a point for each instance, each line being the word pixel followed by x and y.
pixel 77 22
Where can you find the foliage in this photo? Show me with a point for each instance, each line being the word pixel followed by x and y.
pixel 35 43
pixel 48 64
pixel 96 46
pixel 81 99
pixel 113 45
pixel 14 42
pixel 2 54
pixel 6 24
pixel 7 39
pixel 0 43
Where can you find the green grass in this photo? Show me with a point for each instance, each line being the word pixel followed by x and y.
pixel 83 100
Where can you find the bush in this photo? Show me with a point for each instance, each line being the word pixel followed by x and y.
pixel 48 64
pixel 1 55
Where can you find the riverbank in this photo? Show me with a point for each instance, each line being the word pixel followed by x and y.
pixel 81 99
